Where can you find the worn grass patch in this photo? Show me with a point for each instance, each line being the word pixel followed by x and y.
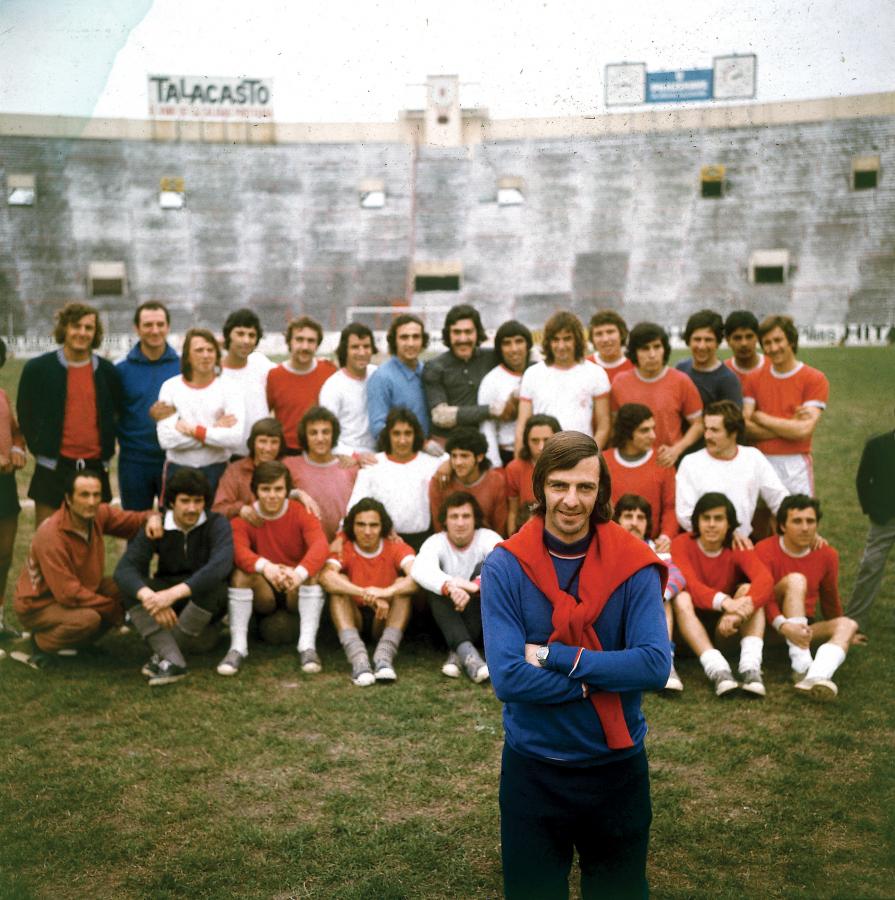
pixel 278 785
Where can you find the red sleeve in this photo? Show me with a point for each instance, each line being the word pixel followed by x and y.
pixel 511 477
pixel 399 551
pixel 748 381
pixel 760 579
pixel 120 522
pixel 817 388
pixel 499 506
pixel 315 541
pixel 682 549
pixel 227 499
pixel 829 586
pixel 244 555
pixel 669 523
pixel 50 554
pixel 435 499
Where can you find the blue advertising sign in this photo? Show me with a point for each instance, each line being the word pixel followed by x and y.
pixel 679 86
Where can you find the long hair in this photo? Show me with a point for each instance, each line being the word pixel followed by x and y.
pixel 367 504
pixel 629 418
pixel 509 329
pixel 645 333
pixel 713 500
pixel 318 414
pixel 185 365
pixel 269 427
pixel 401 414
pixel 457 314
pixel 562 452
pixel 71 314
pixel 563 321
pixel 533 422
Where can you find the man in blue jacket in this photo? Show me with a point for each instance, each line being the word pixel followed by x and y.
pixel 68 404
pixel 189 587
pixel 150 362
pixel 574 632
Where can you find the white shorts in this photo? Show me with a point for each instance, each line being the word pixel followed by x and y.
pixel 796 471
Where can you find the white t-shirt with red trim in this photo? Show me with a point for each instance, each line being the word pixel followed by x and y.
pixel 568 394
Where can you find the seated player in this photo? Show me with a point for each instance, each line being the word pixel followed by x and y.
pixel 635 514
pixel 727 590
pixel 743 474
pixel 370 589
pixel 273 560
pixel 804 573
pixel 447 569
pixel 520 495
pixel 469 469
pixel 400 478
pixel 189 588
pixel 634 469
pixel 62 597
pixel 234 495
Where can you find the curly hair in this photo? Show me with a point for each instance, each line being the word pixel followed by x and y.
pixel 71 314
pixel 563 321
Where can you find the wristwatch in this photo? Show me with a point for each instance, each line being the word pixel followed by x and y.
pixel 542 653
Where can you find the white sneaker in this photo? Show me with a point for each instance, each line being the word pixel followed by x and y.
pixel 310 661
pixel 384 672
pixel 230 664
pixel 674 682
pixel 822 689
pixel 724 682
pixel 481 674
pixel 753 683
pixel 451 666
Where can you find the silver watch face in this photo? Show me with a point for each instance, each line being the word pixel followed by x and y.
pixel 542 653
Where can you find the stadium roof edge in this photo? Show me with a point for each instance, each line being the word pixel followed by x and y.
pixel 478 127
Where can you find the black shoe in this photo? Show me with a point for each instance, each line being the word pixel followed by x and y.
pixel 167 673
pixel 36 659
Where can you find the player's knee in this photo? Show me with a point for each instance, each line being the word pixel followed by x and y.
pixel 683 603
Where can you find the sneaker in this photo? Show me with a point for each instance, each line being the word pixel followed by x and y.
pixel 475 668
pixel 37 659
pixel 230 664
pixel 310 661
pixel 383 671
pixel 362 674
pixel 451 666
pixel 752 682
pixel 822 689
pixel 7 632
pixel 724 682
pixel 674 682
pixel 67 652
pixel 150 667
pixel 167 673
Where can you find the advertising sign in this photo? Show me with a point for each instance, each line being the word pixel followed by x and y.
pixel 679 86
pixel 207 97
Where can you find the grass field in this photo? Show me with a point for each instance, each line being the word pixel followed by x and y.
pixel 276 784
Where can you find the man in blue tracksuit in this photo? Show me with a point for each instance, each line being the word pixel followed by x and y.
pixel 574 632
pixel 149 363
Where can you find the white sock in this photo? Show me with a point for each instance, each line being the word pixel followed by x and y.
pixel 713 661
pixel 310 604
pixel 799 657
pixel 750 653
pixel 239 606
pixel 827 660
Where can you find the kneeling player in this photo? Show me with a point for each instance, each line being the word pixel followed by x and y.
pixel 726 589
pixel 273 561
pixel 803 573
pixel 635 514
pixel 447 568
pixel 195 557
pixel 370 584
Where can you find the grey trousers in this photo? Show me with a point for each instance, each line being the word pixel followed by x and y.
pixel 880 540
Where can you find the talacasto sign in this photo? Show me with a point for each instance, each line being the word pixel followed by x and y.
pixel 208 97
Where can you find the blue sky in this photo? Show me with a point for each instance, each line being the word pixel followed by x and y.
pixel 351 61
